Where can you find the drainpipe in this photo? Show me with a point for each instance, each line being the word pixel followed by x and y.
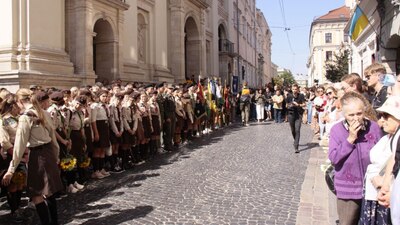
pixel 238 46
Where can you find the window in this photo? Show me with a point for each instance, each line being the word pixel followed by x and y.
pixel 328 38
pixel 328 55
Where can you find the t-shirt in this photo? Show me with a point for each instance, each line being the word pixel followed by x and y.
pixel 379 98
pixel 299 99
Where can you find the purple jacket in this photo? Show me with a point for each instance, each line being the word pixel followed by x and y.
pixel 351 160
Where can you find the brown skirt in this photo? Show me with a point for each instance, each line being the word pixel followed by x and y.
pixel 128 138
pixel 179 124
pixel 156 125
pixel 146 126
pixel 63 148
pixel 104 134
pixel 43 172
pixel 78 146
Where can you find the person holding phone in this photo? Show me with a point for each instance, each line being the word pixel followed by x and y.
pixel 296 102
pixel 349 147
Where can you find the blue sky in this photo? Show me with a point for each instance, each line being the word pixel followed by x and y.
pixel 299 15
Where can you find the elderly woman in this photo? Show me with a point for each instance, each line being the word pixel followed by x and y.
pixel 372 212
pixel 349 147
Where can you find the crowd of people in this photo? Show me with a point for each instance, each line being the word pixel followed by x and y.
pixel 53 141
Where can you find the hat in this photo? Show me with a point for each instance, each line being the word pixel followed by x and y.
pixel 153 92
pixel 85 92
pixel 33 87
pixel 81 99
pixel 41 96
pixel 170 86
pixel 160 85
pixel 135 94
pixel 391 107
pixel 56 96
pixel 148 86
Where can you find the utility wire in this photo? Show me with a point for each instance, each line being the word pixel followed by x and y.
pixel 286 28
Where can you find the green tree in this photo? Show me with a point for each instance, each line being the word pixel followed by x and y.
pixel 339 67
pixel 284 79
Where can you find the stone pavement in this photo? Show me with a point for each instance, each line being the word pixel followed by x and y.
pixel 235 175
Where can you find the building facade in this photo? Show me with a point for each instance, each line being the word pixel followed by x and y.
pixel 83 41
pixel 326 39
pixel 380 40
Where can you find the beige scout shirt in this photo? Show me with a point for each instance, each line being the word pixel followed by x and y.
pixel 8 130
pixel 77 120
pixel 99 111
pixel 59 120
pixel 128 115
pixel 115 117
pixel 30 133
pixel 179 107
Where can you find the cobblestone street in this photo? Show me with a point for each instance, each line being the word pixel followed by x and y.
pixel 236 175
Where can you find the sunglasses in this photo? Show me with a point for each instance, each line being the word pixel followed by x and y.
pixel 329 93
pixel 383 115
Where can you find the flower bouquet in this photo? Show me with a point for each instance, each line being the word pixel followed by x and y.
pixel 85 163
pixel 68 163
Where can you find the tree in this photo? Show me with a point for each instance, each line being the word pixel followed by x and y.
pixel 284 79
pixel 339 67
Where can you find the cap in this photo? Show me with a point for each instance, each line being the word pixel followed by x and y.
pixel 56 96
pixel 153 92
pixel 391 107
pixel 170 86
pixel 148 86
pixel 41 96
pixel 85 92
pixel 33 87
pixel 160 85
pixel 135 95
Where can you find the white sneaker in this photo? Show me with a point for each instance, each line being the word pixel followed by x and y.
pixel 104 173
pixel 97 175
pixel 78 186
pixel 72 189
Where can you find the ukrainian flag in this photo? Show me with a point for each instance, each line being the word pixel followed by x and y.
pixel 358 23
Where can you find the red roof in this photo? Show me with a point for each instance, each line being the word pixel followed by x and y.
pixel 339 13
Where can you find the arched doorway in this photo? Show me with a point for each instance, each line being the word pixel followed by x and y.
pixel 104 51
pixel 192 49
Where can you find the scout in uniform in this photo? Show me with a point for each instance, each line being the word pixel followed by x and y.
pixel 169 118
pixel 8 127
pixel 35 131
pixel 144 110
pixel 155 122
pixel 130 126
pixel 180 116
pixel 116 130
pixel 77 135
pixel 101 133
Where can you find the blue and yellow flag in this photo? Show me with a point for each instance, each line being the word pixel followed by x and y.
pixel 358 23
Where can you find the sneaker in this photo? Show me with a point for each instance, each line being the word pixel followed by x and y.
pixel 72 189
pixel 104 173
pixel 78 186
pixel 97 175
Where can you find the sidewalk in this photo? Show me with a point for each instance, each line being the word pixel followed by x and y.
pixel 317 204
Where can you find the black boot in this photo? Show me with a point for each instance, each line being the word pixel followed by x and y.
pixel 43 212
pixel 52 205
pixel 12 201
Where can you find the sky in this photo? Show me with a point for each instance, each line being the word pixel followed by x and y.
pixel 299 15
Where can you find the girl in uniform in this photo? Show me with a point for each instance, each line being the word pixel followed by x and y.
pixel 116 130
pixel 155 121
pixel 35 131
pixel 101 132
pixel 144 111
pixel 8 127
pixel 130 125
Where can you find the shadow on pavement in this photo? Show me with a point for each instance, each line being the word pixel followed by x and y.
pixel 308 146
pixel 120 216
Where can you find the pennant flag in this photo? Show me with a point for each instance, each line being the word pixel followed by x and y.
pixel 200 93
pixel 358 23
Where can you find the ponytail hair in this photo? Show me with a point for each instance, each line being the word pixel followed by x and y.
pixel 26 95
pixel 6 105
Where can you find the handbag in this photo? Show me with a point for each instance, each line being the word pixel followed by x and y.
pixel 330 177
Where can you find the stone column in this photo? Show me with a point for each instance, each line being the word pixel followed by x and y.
pixel 177 53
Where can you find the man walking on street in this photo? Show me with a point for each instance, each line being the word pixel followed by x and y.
pixel 295 104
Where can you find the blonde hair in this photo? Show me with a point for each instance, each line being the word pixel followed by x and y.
pixel 26 95
pixel 374 68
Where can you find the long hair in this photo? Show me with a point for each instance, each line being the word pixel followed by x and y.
pixel 26 95
pixel 7 104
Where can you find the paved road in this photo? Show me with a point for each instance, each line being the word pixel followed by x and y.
pixel 236 175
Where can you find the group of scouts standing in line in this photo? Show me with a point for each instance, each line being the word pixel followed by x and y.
pixel 50 138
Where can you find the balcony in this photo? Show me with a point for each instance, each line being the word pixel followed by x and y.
pixel 226 47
